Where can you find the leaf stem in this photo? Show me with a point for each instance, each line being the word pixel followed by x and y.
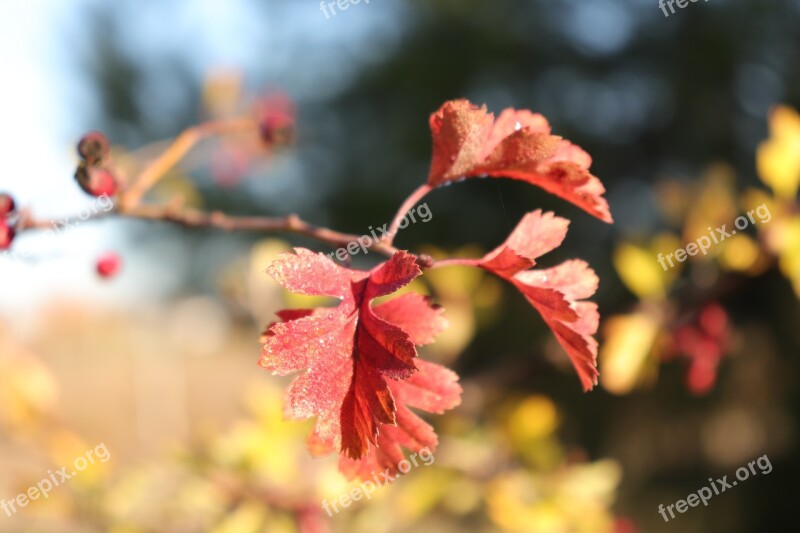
pixel 455 262
pixel 407 205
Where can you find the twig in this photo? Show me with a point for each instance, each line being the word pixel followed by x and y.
pixel 177 151
pixel 192 218
pixel 410 202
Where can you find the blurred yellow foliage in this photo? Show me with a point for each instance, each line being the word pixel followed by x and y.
pixel 640 271
pixel 713 204
pixel 741 253
pixel 574 499
pixel 28 391
pixel 787 243
pixel 222 93
pixel 778 157
pixel 626 350
pixel 534 418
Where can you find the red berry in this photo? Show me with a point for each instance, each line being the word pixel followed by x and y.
pixel 7 235
pixel 6 204
pixel 276 120
pixel 714 320
pixel 96 181
pixel 93 147
pixel 701 376
pixel 109 265
pixel 277 128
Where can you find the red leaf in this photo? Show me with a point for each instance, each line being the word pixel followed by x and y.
pixel 415 314
pixel 433 389
pixel 348 351
pixel 468 142
pixel 553 292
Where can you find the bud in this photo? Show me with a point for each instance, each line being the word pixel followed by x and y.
pixel 96 181
pixel 93 147
pixel 109 265
pixel 6 205
pixel 7 235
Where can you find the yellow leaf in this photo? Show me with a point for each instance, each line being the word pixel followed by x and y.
pixel 778 158
pixel 629 340
pixel 713 205
pixel 640 272
pixel 786 240
pixel 534 418
pixel 740 253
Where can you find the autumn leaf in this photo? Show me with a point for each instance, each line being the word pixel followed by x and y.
pixel 348 352
pixel 468 142
pixel 434 389
pixel 556 293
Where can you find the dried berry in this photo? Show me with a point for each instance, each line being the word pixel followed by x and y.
pixel 277 128
pixel 7 204
pixel 96 181
pixel 7 235
pixel 93 147
pixel 276 120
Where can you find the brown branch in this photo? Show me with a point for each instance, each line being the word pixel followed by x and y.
pixel 287 224
pixel 192 218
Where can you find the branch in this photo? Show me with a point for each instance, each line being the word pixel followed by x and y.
pixel 456 262
pixel 177 151
pixel 129 203
pixel 192 218
pixel 410 202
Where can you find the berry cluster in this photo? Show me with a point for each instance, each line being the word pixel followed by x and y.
pixel 703 343
pixel 93 174
pixel 7 231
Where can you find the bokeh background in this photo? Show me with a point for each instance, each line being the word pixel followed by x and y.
pixel 699 364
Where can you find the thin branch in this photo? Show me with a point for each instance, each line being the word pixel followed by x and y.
pixel 455 262
pixel 192 218
pixel 177 151
pixel 410 202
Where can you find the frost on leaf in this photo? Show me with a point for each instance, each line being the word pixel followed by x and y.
pixel 356 358
pixel 469 142
pixel 556 293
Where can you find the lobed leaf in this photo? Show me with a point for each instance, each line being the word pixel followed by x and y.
pixel 468 142
pixel 555 292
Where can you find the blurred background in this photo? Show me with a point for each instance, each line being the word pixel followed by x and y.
pixel 690 120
